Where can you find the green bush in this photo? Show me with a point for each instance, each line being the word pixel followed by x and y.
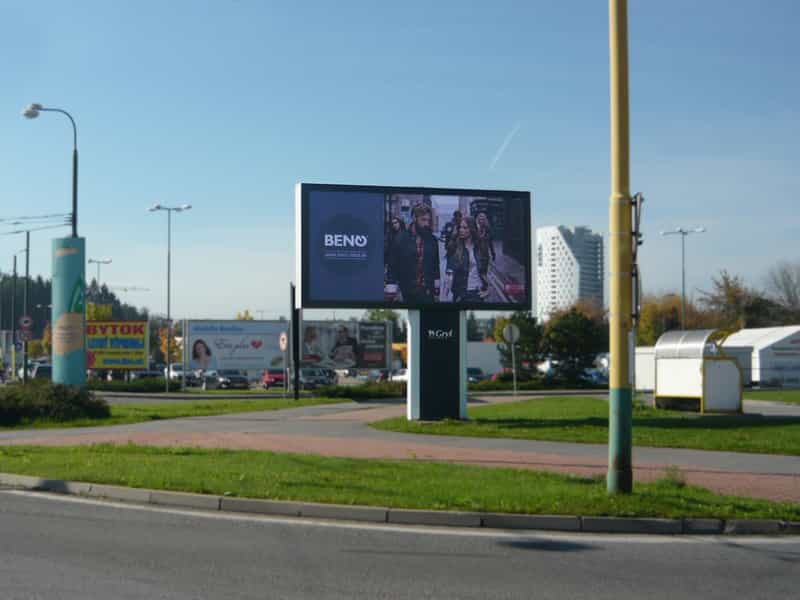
pixel 364 391
pixel 534 384
pixel 143 386
pixel 43 400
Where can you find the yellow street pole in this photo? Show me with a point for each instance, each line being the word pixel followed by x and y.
pixel 620 472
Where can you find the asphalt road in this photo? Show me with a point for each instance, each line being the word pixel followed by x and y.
pixel 55 547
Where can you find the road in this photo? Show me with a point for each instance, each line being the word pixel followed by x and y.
pixel 61 548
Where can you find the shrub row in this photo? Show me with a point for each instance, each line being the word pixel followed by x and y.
pixel 364 391
pixel 535 384
pixel 43 400
pixel 144 386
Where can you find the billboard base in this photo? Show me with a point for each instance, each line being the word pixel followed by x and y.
pixel 437 365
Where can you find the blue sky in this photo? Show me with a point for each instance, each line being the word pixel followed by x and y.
pixel 226 104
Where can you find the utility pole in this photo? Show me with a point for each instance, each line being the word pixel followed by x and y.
pixel 620 471
pixel 14 321
pixel 25 303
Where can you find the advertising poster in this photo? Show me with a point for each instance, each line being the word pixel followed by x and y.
pixel 345 344
pixel 413 248
pixel 69 311
pixel 249 346
pixel 116 345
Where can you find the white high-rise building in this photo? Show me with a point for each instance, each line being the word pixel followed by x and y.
pixel 569 267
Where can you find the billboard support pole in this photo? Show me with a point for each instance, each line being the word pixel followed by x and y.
pixel 295 342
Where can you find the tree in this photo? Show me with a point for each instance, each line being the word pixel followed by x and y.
pixel 734 306
pixel 244 316
pixel 528 349
pixel 36 349
pixel 572 341
pixel 783 285
pixel 47 339
pixel 175 351
pixel 99 312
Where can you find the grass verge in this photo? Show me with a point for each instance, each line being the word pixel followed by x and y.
pixel 788 396
pixel 122 414
pixel 394 484
pixel 585 420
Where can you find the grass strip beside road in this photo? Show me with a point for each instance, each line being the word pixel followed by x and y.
pixel 124 414
pixel 394 484
pixel 585 420
pixel 788 396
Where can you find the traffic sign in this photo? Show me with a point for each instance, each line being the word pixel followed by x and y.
pixel 511 333
pixel 25 321
pixel 284 341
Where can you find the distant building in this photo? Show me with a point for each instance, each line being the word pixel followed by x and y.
pixel 569 268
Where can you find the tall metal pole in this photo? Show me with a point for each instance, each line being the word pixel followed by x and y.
pixel 169 282
pixel 75 186
pixel 620 472
pixel 25 303
pixel 683 281
pixel 14 321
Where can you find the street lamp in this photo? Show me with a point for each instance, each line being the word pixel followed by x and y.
pixel 683 233
pixel 98 262
pixel 169 210
pixel 31 112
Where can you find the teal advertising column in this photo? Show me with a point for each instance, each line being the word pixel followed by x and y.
pixel 69 311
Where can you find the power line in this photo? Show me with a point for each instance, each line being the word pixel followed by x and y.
pixel 66 224
pixel 35 217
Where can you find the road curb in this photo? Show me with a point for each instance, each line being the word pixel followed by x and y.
pixel 373 514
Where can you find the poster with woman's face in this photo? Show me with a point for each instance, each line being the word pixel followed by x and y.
pixel 344 344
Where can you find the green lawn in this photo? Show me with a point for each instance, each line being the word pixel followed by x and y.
pixel 576 419
pixel 137 413
pixel 399 484
pixel 790 396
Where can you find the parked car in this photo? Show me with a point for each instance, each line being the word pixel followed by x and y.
pixel 399 375
pixel 273 378
pixel 376 375
pixel 150 374
pixel 331 377
pixel 175 371
pixel 310 378
pixel 42 371
pixel 474 375
pixel 225 379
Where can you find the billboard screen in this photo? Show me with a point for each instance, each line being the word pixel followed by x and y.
pixel 346 344
pixel 250 346
pixel 116 345
pixel 364 246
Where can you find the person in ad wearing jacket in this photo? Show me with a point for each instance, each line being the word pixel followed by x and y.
pixel 466 255
pixel 414 259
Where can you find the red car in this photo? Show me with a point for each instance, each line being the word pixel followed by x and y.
pixel 272 378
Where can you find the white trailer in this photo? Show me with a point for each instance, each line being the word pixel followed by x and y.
pixel 774 355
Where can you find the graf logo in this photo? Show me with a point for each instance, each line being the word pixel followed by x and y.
pixel 341 240
pixel 440 334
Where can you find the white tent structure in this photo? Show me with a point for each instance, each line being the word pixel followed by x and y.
pixel 689 365
pixel 768 355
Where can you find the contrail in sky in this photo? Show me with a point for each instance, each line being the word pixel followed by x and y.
pixel 505 144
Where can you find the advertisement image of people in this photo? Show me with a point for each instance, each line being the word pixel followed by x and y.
pixel 345 344
pixel 459 249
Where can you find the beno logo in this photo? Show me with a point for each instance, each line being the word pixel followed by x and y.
pixel 340 240
pixel 440 334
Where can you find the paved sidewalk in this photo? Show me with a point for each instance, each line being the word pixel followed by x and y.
pixel 343 430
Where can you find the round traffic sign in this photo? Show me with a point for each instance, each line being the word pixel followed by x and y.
pixel 511 333
pixel 25 321
pixel 284 341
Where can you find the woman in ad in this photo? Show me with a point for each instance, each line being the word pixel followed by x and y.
pixel 467 254
pixel 202 357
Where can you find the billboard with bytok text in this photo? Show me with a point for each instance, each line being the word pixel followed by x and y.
pixel 248 346
pixel 410 247
pixel 117 345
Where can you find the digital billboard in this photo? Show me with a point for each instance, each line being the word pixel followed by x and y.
pixel 116 345
pixel 346 344
pixel 249 346
pixel 366 246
